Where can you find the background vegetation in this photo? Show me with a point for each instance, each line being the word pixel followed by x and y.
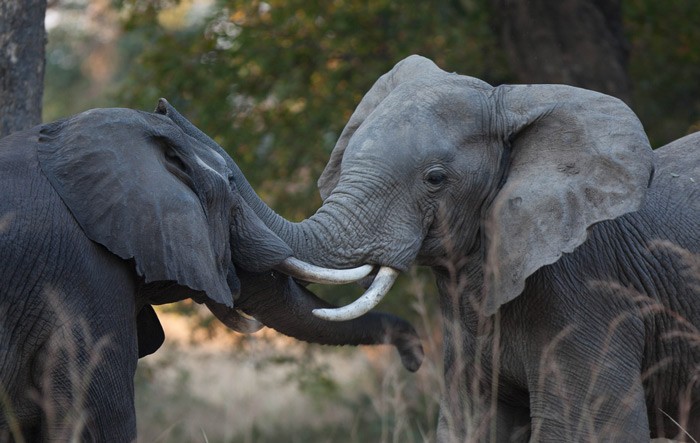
pixel 274 82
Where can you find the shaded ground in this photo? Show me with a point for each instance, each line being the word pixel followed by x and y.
pixel 271 388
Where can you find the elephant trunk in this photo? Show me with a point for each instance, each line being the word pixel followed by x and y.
pixel 326 239
pixel 289 312
pixel 314 240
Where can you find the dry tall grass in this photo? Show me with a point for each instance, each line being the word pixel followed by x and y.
pixel 270 388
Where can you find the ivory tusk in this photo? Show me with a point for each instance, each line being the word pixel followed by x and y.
pixel 380 286
pixel 247 324
pixel 315 274
pixel 234 318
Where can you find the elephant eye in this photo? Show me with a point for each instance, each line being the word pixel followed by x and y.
pixel 174 159
pixel 435 177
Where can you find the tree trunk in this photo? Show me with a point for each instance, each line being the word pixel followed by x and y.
pixel 22 43
pixel 574 42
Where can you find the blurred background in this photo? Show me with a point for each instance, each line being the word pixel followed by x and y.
pixel 274 82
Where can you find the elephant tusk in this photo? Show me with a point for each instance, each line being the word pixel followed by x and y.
pixel 234 318
pixel 246 324
pixel 380 286
pixel 315 274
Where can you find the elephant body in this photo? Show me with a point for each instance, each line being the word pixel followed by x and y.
pixel 68 307
pixel 612 328
pixel 564 251
pixel 103 215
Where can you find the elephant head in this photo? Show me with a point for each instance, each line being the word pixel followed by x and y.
pixel 433 167
pixel 280 302
pixel 153 190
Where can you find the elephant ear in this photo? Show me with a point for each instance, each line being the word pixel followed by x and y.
pixel 408 69
pixel 146 191
pixel 149 332
pixel 577 157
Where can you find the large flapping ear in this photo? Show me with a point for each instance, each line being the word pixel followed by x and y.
pixel 576 158
pixel 146 191
pixel 407 69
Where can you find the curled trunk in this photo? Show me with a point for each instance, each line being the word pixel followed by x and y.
pixel 280 303
pixel 325 240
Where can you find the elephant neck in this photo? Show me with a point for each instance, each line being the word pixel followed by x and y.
pixel 460 287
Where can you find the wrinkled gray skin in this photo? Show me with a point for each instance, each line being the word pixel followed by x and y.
pixel 103 215
pixel 536 209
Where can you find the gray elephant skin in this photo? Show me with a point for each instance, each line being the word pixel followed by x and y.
pixel 561 244
pixel 103 215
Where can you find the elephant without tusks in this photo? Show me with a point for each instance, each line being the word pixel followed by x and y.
pixel 562 246
pixel 107 213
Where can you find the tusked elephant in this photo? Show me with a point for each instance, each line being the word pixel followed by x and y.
pixel 561 246
pixel 109 212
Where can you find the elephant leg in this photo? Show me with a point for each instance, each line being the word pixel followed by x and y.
pixel 624 418
pixel 512 424
pixel 84 371
pixel 684 427
pixel 692 425
pixel 600 400
pixel 86 389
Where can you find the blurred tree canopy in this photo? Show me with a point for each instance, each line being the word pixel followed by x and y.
pixel 575 42
pixel 274 81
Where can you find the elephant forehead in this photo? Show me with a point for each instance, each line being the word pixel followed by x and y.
pixel 414 135
pixel 444 108
pixel 407 137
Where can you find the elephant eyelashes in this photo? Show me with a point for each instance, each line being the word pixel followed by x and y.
pixel 173 158
pixel 175 165
pixel 435 177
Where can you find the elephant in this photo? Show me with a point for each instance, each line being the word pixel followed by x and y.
pixel 107 213
pixel 560 242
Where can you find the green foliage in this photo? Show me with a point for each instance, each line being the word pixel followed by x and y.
pixel 665 66
pixel 274 82
pixel 313 378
